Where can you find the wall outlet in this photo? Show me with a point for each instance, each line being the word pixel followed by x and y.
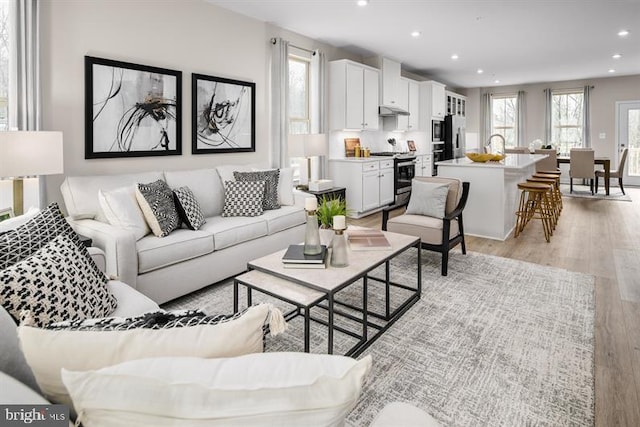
pixel 602 135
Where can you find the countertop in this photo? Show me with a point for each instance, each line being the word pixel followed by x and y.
pixel 361 159
pixel 512 161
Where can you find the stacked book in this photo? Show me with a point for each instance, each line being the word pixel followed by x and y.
pixel 367 240
pixel 294 257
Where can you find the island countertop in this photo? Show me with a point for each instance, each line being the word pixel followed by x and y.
pixel 511 161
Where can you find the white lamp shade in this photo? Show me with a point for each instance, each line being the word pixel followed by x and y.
pixel 307 145
pixel 26 153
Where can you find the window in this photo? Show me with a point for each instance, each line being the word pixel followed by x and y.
pixel 567 115
pixel 504 117
pixel 299 117
pixel 4 65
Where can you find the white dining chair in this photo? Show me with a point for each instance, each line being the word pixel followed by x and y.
pixel 581 165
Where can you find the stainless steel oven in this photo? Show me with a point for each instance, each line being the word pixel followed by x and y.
pixel 405 171
pixel 437 130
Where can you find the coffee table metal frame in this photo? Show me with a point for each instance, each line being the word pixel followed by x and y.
pixel 291 288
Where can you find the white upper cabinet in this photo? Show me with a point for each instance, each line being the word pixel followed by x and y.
pixel 353 95
pixel 410 101
pixel 414 106
pixel 432 104
pixel 456 104
pixel 437 101
pixel 390 83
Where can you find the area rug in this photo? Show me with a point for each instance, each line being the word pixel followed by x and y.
pixel 583 192
pixel 497 342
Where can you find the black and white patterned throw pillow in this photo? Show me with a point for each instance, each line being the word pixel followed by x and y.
pixel 188 208
pixel 23 241
pixel 243 198
pixel 55 283
pixel 154 320
pixel 156 201
pixel 270 178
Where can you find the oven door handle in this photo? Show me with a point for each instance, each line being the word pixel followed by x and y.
pixel 407 163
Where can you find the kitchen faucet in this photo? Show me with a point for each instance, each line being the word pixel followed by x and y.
pixel 487 146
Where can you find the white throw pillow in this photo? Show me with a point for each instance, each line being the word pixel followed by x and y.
pixel 285 186
pixel 428 198
pixel 81 350
pixel 277 389
pixel 121 209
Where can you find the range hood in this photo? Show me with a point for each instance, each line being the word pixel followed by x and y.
pixel 391 111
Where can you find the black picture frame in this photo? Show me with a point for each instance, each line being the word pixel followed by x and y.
pixel 131 110
pixel 223 115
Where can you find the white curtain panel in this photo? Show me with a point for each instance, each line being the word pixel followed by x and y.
pixel 547 116
pixel 485 120
pixel 521 112
pixel 586 117
pixel 318 104
pixel 279 96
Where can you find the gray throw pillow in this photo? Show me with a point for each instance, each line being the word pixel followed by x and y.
pixel 428 199
pixel 243 198
pixel 157 205
pixel 270 178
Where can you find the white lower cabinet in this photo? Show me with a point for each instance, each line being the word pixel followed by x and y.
pixel 423 165
pixel 369 184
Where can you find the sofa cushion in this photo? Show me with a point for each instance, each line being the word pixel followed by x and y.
pixel 120 208
pixel 243 198
pixel 159 209
pixel 188 208
pixel 57 282
pixel 15 222
pixel 233 230
pixel 81 192
pixel 429 229
pixel 130 302
pixel 14 392
pixel 283 218
pixel 270 178
pixel 205 185
pixel 181 245
pixel 226 171
pixel 236 335
pixel 274 389
pixel 12 360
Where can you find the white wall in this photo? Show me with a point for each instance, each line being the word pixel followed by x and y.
pixel 603 100
pixel 191 36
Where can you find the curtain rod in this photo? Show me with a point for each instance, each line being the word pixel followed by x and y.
pixel 312 52
pixel 576 88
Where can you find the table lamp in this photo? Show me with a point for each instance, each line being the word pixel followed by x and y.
pixel 28 153
pixel 307 145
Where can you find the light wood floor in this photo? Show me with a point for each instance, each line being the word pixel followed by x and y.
pixel 601 238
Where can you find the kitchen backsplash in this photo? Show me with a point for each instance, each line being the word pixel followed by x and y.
pixel 377 141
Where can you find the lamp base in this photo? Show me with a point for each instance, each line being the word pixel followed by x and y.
pixel 302 187
pixel 18 196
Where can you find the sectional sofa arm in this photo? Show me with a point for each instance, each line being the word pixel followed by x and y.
pixel 299 196
pixel 119 246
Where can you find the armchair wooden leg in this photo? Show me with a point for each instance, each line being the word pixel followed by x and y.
pixel 621 187
pixel 596 184
pixel 591 185
pixel 445 262
pixel 570 185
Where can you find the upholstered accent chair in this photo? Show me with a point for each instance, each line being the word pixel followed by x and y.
pixel 439 232
pixel 550 163
pixel 581 165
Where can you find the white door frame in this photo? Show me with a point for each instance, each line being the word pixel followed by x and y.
pixel 620 107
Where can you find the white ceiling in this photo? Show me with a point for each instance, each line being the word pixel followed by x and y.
pixel 513 41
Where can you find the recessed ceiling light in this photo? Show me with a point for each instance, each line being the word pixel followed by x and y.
pixel 623 33
pixel 611 70
pixel 496 81
pixel 415 33
pixel 363 2
pixel 454 56
pixel 480 71
pixel 617 56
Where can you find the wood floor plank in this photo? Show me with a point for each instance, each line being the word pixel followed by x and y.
pixel 601 238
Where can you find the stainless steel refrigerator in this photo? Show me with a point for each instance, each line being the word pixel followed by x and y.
pixel 454 134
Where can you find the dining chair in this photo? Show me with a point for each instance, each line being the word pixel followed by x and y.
pixel 517 150
pixel 581 163
pixel 617 173
pixel 550 163
pixel 432 213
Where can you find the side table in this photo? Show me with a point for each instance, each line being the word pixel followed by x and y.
pixel 335 192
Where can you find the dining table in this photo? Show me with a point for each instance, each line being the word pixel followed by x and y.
pixel 604 161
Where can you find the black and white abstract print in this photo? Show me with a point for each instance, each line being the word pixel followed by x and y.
pixel 132 110
pixel 223 115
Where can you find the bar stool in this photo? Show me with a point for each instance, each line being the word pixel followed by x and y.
pixel 534 203
pixel 556 177
pixel 551 196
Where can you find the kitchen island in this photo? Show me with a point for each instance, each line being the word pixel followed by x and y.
pixel 493 193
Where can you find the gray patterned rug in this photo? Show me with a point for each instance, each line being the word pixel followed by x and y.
pixel 584 192
pixel 498 342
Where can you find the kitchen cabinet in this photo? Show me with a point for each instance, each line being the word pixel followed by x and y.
pixel 411 102
pixel 354 96
pixel 390 89
pixel 369 183
pixel 414 106
pixel 432 103
pixel 456 104
pixel 423 165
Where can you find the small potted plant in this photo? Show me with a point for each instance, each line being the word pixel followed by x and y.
pixel 327 209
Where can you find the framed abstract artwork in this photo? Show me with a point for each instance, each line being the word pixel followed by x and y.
pixel 131 110
pixel 223 115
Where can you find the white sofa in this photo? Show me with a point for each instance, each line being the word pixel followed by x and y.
pixel 186 260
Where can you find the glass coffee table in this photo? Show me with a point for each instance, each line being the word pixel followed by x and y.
pixel 309 288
